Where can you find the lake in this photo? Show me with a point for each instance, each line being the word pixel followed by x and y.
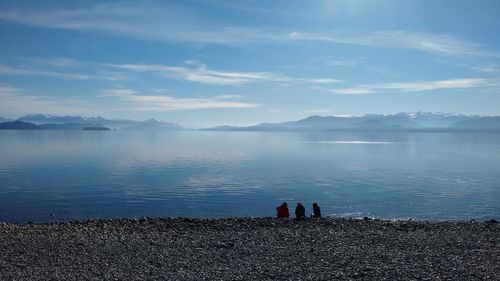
pixel 63 175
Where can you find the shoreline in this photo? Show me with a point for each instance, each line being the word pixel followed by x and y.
pixel 491 219
pixel 250 249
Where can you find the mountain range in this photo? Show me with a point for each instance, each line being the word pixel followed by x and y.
pixel 21 125
pixel 39 119
pixel 154 125
pixel 52 122
pixel 4 119
pixel 420 121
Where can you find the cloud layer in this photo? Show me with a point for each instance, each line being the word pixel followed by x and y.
pixel 175 24
pixel 20 101
pixel 7 70
pixel 288 60
pixel 139 102
pixel 416 86
pixel 430 43
pixel 202 74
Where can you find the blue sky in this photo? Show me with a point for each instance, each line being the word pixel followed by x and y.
pixel 203 63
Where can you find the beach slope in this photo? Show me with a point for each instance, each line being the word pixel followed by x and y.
pixel 250 249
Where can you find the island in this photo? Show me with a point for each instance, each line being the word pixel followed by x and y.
pixel 96 129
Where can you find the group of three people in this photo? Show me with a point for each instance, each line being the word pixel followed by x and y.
pixel 300 211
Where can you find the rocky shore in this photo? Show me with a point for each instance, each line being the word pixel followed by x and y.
pixel 250 249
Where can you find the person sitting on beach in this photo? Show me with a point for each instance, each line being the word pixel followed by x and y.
pixel 282 211
pixel 316 211
pixel 300 211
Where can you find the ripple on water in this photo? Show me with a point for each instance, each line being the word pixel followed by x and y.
pixel 423 176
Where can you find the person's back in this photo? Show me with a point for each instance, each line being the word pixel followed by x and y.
pixel 300 211
pixel 316 211
pixel 282 211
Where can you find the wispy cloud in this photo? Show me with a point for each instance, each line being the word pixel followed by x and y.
pixel 139 102
pixel 20 101
pixel 343 62
pixel 416 86
pixel 58 62
pixel 161 22
pixel 486 68
pixel 430 43
pixel 319 111
pixel 194 71
pixel 55 74
pixel 202 74
pixel 353 90
pixel 168 22
pixel 323 80
pixel 223 97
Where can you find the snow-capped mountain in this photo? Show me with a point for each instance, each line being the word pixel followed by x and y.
pixel 154 125
pixel 392 122
pixel 53 119
pixel 436 120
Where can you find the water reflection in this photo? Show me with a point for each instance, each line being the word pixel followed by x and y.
pixel 57 175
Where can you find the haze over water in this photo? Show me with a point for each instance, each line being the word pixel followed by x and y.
pixel 63 175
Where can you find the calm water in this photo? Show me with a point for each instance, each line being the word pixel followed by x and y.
pixel 61 175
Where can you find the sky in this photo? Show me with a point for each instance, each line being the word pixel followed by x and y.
pixel 208 62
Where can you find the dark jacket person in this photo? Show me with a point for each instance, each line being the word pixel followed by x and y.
pixel 316 211
pixel 300 211
pixel 282 211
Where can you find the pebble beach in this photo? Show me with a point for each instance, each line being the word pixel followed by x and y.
pixel 250 249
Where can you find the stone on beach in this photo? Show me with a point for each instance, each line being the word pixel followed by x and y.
pixel 250 249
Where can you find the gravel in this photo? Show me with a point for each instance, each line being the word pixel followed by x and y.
pixel 250 249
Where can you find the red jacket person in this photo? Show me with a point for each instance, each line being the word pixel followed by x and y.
pixel 282 211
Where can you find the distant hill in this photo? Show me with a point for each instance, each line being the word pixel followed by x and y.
pixel 154 125
pixel 437 120
pixel 71 121
pixel 52 119
pixel 43 119
pixel 416 121
pixel 401 121
pixel 96 129
pixel 479 123
pixel 5 119
pixel 18 125
pixel 320 123
pixel 70 126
